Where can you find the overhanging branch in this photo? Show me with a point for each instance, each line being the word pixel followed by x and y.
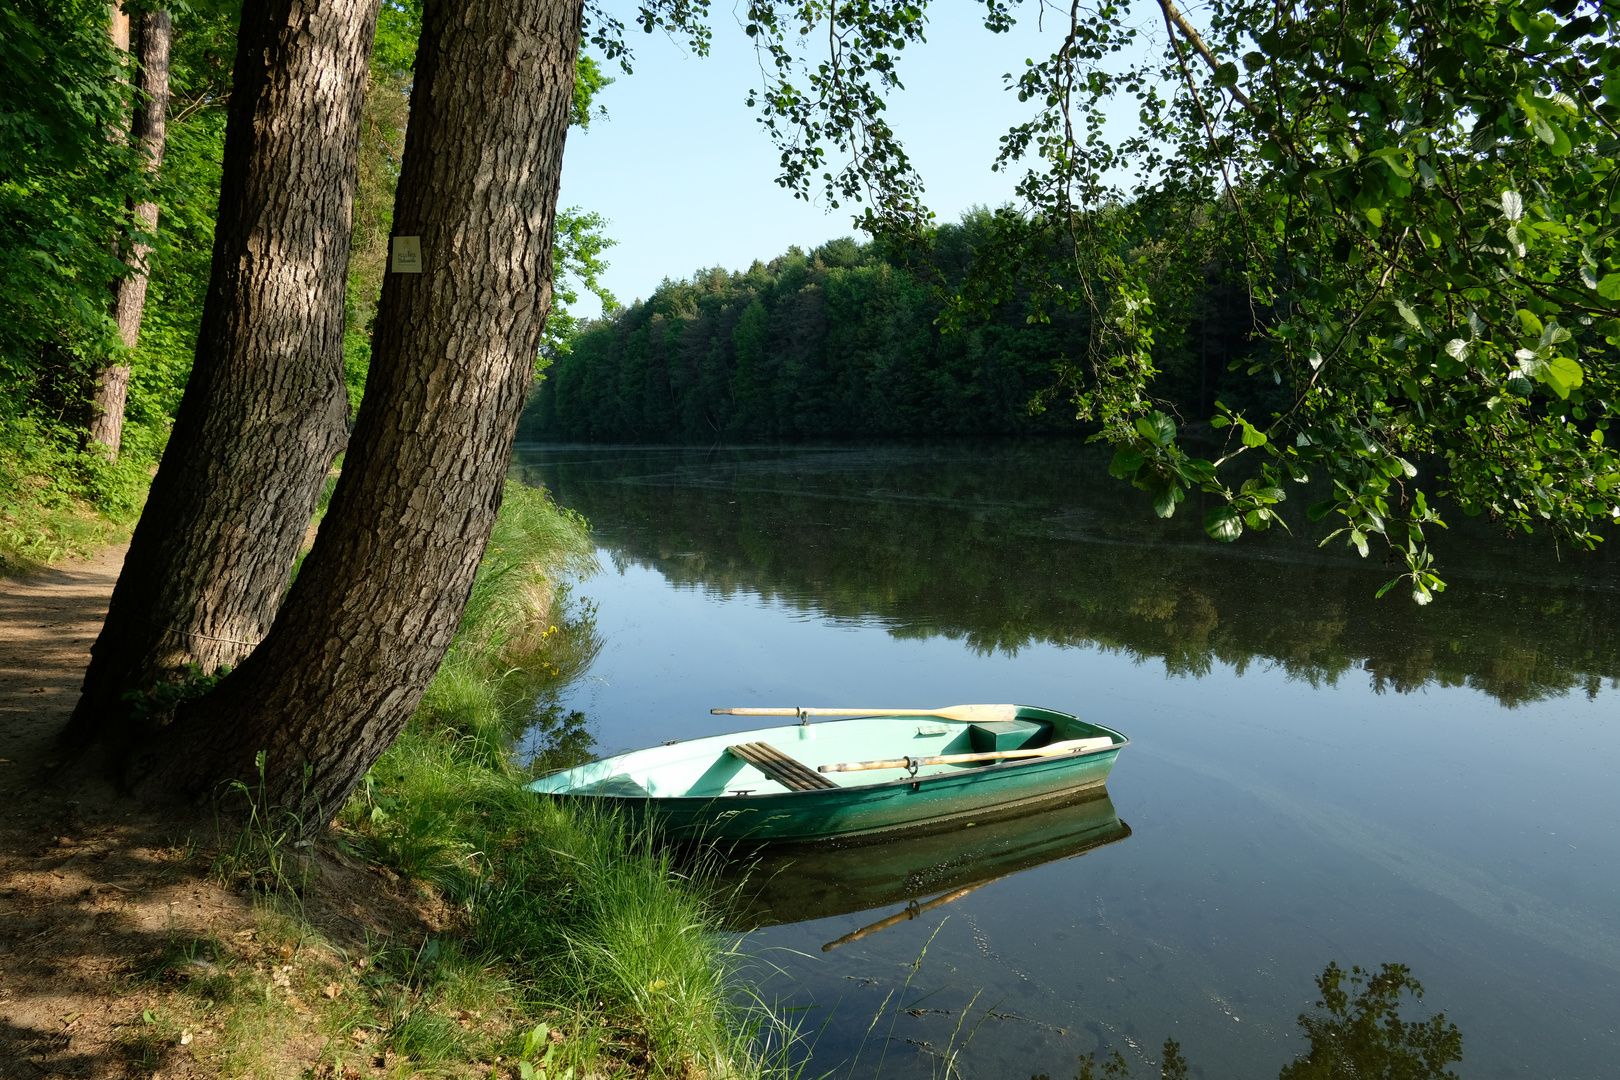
pixel 1180 22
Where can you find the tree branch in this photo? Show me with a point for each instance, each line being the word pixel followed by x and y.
pixel 1173 15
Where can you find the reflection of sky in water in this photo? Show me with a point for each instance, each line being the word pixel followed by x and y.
pixel 1276 826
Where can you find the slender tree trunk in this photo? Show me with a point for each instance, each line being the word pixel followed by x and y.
pixel 379 598
pixel 148 130
pixel 265 410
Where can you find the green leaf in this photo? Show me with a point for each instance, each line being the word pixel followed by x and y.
pixel 1561 146
pixel 1320 510
pixel 1226 74
pixel 1410 316
pixel 1164 504
pixel 1392 157
pixel 1223 524
pixel 1562 374
pixel 1157 428
pixel 1126 462
pixel 1359 539
pixel 1609 287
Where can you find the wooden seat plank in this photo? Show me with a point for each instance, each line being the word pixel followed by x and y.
pixel 780 767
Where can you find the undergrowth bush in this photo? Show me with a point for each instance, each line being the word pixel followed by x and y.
pixel 58 500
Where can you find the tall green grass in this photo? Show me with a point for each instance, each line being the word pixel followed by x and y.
pixel 580 912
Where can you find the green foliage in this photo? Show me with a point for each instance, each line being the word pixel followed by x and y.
pixel 535 1059
pixel 1365 1037
pixel 155 706
pixel 842 342
pixel 1360 1039
pixel 1418 200
pixel 260 854
pixel 66 183
pixel 577 258
pixel 63 182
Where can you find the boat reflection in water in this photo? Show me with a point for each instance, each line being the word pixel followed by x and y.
pixel 784 884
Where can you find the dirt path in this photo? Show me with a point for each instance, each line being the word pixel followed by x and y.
pixel 95 891
pixel 80 874
pixel 47 624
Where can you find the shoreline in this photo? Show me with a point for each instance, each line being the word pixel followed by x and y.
pixel 151 943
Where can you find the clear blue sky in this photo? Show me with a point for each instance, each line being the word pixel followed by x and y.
pixel 686 175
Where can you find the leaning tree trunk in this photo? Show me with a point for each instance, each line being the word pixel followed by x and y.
pixel 147 129
pixel 265 410
pixel 380 596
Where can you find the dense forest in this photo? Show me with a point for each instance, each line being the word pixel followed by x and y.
pixel 84 213
pixel 846 342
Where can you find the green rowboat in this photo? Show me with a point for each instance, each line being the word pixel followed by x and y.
pixel 867 776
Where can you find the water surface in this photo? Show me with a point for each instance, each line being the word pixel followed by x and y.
pixel 1315 775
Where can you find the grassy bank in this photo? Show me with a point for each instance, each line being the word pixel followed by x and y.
pixel 569 945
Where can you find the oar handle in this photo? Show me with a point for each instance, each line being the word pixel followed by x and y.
pixel 1072 746
pixel 970 714
pixel 859 766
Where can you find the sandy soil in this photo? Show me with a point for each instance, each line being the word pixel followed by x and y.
pixel 93 887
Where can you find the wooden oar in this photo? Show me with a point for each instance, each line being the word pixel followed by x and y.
pixel 972 714
pixel 912 910
pixel 1071 746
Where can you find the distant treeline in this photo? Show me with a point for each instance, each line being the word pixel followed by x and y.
pixel 841 342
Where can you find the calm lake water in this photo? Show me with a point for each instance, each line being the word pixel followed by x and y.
pixel 1315 775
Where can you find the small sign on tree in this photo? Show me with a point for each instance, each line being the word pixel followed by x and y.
pixel 407 255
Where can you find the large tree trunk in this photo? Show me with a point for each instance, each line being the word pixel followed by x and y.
pixel 265 410
pixel 147 129
pixel 379 598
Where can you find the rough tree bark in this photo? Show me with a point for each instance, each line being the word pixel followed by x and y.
pixel 380 596
pixel 265 410
pixel 147 128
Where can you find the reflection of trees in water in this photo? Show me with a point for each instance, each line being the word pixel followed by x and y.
pixel 547 735
pixel 976 548
pixel 1356 1033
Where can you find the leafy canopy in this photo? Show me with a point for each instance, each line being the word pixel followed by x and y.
pixel 1418 198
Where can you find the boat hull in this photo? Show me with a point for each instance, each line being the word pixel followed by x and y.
pixel 875 809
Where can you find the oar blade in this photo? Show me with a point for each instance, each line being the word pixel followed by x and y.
pixel 977 714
